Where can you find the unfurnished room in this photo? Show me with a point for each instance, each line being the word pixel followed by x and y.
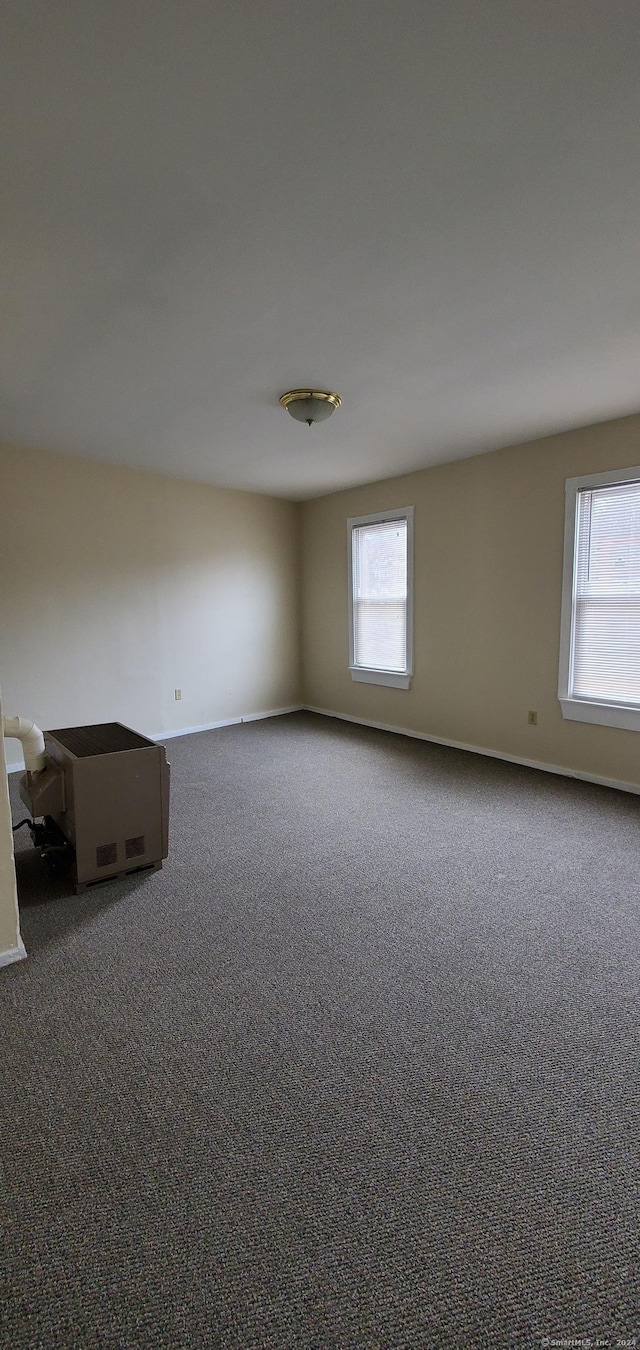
pixel 319 674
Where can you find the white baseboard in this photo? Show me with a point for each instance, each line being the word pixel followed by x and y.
pixel 226 722
pixel 206 726
pixel 383 726
pixel 14 954
pixel 480 750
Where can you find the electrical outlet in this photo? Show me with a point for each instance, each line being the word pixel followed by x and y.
pixel 533 719
pixel 177 694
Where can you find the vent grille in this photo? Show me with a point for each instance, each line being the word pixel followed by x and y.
pixel 106 854
pixel 134 848
pixel 103 738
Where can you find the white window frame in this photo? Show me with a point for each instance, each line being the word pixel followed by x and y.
pixel 626 716
pixel 366 674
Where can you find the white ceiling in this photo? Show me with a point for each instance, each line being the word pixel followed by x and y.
pixel 432 207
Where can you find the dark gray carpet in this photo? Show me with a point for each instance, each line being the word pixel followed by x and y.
pixel 359 1068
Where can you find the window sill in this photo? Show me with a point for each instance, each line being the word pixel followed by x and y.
pixel 604 714
pixel 395 679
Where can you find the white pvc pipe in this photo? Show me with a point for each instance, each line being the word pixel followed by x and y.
pixel 32 740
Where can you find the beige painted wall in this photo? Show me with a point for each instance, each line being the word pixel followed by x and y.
pixel 488 556
pixel 9 929
pixel 118 586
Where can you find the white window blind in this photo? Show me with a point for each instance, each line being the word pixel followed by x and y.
pixel 605 661
pixel 380 595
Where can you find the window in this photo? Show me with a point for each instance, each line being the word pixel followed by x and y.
pixel 600 638
pixel 380 597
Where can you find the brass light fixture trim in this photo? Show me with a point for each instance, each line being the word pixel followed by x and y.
pixel 310 405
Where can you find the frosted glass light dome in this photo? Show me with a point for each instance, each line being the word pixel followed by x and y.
pixel 310 405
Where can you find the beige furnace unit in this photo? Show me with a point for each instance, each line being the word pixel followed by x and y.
pixel 104 796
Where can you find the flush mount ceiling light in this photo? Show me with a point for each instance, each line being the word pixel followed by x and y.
pixel 310 405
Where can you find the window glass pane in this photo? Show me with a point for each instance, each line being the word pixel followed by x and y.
pixel 606 614
pixel 380 595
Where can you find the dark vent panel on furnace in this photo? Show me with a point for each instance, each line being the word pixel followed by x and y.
pixel 105 738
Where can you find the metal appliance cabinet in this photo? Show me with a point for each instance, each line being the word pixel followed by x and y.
pixel 106 788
